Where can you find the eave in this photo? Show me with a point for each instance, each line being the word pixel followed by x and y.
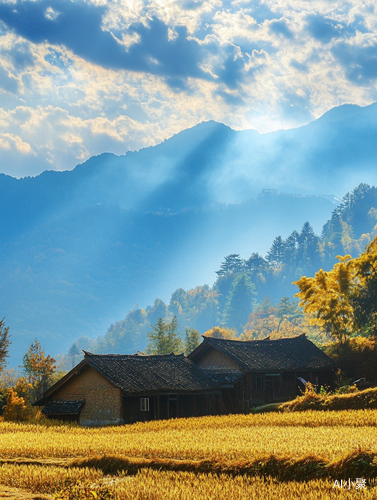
pixel 83 365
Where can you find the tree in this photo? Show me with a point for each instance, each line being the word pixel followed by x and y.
pixel 326 298
pixel 258 269
pixel 233 264
pixel 15 408
pixel 159 310
pixel 286 310
pixel 364 297
pixel 221 333
pixel 164 338
pixel 291 249
pixel 39 369
pixel 192 340
pixel 4 343
pixel 73 351
pixel 240 302
pixel 275 255
pixel 281 321
pixel 308 245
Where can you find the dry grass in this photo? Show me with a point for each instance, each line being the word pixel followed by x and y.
pixel 199 458
pixel 44 479
pixel 310 400
pixel 157 485
pixel 154 485
pixel 241 437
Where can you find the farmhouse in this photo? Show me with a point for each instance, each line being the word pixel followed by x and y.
pixel 220 376
pixel 114 389
pixel 263 370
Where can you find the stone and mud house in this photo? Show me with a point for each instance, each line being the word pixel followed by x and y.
pixel 262 371
pixel 218 377
pixel 114 388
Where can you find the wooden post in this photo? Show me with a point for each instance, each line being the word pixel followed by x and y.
pixel 158 406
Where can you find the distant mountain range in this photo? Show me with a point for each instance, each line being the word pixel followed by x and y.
pixel 79 248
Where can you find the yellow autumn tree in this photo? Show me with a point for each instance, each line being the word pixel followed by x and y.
pixel 15 409
pixel 221 333
pixel 326 298
pixel 39 369
pixel 364 297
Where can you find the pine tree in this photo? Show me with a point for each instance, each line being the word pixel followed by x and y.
pixel 291 248
pixel 256 264
pixel 173 338
pixel 164 338
pixel 192 340
pixel 73 352
pixel 240 302
pixel 233 264
pixel 286 310
pixel 275 255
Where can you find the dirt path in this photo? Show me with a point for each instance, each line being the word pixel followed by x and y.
pixel 16 494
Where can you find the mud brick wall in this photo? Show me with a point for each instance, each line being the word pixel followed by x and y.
pixel 103 401
pixel 217 362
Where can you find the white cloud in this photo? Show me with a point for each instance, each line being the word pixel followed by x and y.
pixel 271 64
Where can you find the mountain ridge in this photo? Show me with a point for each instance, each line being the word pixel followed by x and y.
pixel 78 248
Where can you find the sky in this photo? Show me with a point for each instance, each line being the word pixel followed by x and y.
pixel 78 78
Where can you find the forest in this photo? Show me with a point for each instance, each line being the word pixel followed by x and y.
pixel 252 297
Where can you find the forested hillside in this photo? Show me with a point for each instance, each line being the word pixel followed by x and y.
pixel 258 283
pixel 72 273
pixel 79 248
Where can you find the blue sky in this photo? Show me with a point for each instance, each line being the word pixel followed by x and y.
pixel 78 78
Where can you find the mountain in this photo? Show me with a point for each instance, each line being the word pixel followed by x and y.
pixel 78 248
pixel 73 273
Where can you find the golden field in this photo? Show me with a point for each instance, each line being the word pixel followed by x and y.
pixel 328 435
pixel 161 485
pixel 233 456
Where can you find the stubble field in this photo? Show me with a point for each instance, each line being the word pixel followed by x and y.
pixel 289 455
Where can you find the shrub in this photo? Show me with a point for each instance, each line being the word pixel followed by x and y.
pixel 357 358
pixel 351 400
pixel 16 409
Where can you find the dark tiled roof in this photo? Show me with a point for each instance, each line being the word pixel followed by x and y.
pixel 137 374
pixel 296 353
pixel 63 407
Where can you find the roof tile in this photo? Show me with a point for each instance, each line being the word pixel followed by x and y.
pixel 297 353
pixel 136 374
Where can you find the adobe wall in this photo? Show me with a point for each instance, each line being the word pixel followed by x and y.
pixel 216 361
pixel 103 401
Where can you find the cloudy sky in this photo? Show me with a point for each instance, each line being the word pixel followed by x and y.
pixel 81 77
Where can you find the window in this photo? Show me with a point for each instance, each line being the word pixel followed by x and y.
pixel 144 404
pixel 259 383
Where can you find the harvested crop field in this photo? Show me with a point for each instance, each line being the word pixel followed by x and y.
pixel 234 456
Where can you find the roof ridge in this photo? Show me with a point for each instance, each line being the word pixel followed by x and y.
pixel 135 356
pixel 301 336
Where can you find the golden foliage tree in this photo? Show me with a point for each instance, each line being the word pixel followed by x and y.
pixel 364 297
pixel 326 298
pixel 15 409
pixel 221 333
pixel 39 369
